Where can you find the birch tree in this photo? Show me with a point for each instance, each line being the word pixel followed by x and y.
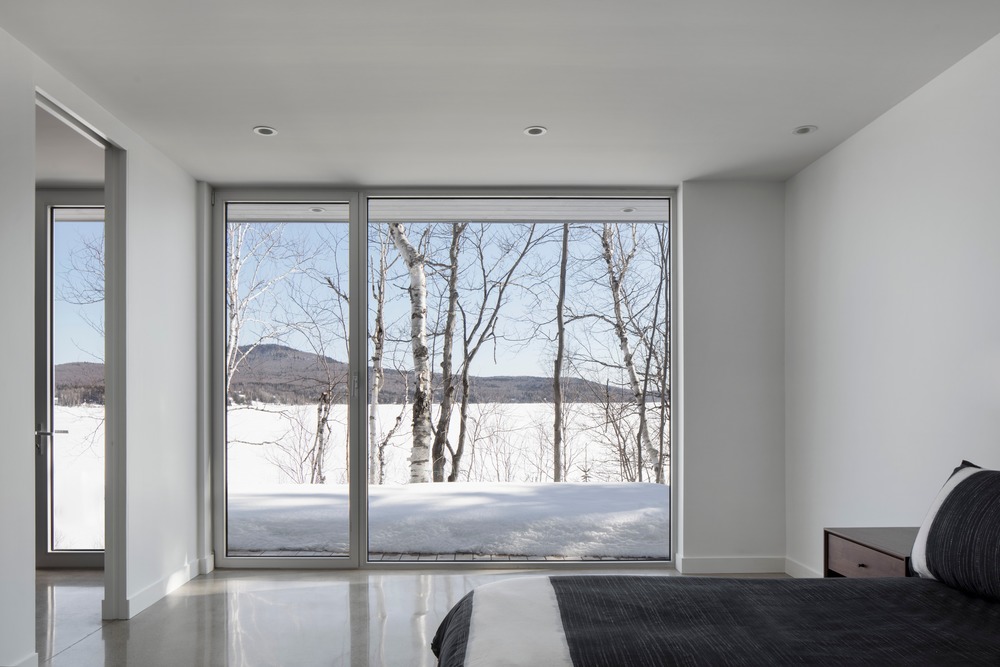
pixel 377 440
pixel 377 337
pixel 617 259
pixel 422 431
pixel 557 396
pixel 447 379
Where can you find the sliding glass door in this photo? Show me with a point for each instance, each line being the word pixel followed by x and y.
pixel 285 374
pixel 434 378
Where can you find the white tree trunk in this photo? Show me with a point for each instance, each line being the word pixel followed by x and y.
pixel 378 374
pixel 447 381
pixel 557 395
pixel 420 455
pixel 617 268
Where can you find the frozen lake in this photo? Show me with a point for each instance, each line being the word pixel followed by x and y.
pixel 508 507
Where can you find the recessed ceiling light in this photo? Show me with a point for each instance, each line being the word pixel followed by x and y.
pixel 317 209
pixel 805 129
pixel 265 131
pixel 628 209
pixel 535 131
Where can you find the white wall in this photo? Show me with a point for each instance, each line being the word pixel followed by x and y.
pixel 17 242
pixel 893 311
pixel 161 375
pixel 161 389
pixel 731 406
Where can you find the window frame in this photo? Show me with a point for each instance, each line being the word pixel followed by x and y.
pixel 218 378
pixel 357 411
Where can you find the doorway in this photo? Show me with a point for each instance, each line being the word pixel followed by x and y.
pixel 70 383
pixel 69 360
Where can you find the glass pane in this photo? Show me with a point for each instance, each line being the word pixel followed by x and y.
pixel 519 394
pixel 286 291
pixel 77 448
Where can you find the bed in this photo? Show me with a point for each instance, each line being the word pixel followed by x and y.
pixel 948 615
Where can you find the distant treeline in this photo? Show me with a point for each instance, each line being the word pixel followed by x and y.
pixel 281 375
pixel 482 390
pixel 71 396
pixel 79 383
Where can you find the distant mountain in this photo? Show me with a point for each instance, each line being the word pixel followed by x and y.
pixel 279 374
pixel 275 373
pixel 79 382
pixel 79 374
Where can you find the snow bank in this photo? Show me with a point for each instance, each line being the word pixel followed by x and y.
pixel 543 519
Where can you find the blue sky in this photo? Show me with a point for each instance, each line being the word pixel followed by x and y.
pixel 73 336
pixel 521 317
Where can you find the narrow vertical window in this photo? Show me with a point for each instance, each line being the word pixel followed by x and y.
pixel 75 441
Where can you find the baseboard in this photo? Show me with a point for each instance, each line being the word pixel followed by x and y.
pixel 110 612
pixel 729 565
pixel 157 591
pixel 30 661
pixel 206 564
pixel 794 568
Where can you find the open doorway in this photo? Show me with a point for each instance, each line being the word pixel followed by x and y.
pixel 69 383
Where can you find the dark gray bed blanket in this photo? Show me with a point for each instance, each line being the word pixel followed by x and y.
pixel 647 620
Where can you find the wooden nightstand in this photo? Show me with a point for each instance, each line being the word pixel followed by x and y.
pixel 867 552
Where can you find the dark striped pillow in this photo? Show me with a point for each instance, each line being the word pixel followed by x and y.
pixel 959 542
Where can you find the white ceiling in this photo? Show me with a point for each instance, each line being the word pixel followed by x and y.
pixel 403 93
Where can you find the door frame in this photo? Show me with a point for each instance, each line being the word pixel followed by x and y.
pixel 45 201
pixel 115 604
pixel 216 359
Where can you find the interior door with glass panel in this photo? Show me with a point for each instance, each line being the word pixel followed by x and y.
pixel 69 420
pixel 284 459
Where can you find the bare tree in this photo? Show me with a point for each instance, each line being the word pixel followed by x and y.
pixel 557 394
pixel 617 258
pixel 84 284
pixel 377 442
pixel 447 379
pixel 422 429
pixel 480 326
pixel 377 336
pixel 292 452
pixel 255 266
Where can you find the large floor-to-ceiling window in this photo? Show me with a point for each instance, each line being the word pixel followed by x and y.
pixel 492 374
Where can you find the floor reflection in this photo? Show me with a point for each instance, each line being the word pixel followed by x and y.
pixel 240 618
pixel 67 608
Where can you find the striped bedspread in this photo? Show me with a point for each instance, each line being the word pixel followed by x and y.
pixel 633 621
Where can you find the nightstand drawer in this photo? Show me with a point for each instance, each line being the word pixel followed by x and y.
pixel 851 559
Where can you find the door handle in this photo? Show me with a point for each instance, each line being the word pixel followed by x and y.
pixel 38 438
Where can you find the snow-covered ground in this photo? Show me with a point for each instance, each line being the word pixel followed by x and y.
pixel 78 477
pixel 515 512
pixel 570 519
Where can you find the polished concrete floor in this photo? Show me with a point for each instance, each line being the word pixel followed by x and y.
pixel 240 618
